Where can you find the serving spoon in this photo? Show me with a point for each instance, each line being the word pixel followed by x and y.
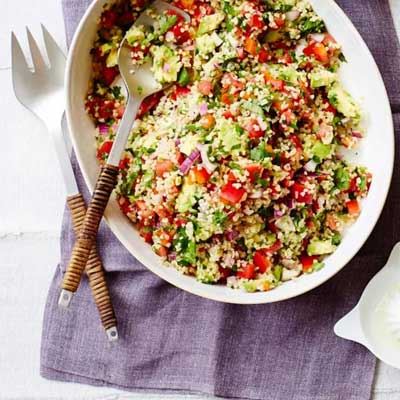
pixel 140 83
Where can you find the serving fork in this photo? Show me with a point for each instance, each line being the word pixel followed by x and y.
pixel 41 90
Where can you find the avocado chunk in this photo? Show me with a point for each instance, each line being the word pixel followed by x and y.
pixel 206 44
pixel 230 136
pixel 166 64
pixel 209 23
pixel 343 102
pixel 321 150
pixel 319 78
pixel 135 35
pixel 187 198
pixel 112 58
pixel 320 247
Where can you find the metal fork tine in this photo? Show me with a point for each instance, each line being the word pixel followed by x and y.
pixel 18 59
pixel 54 53
pixel 37 58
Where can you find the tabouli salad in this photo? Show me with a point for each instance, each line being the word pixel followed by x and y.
pixel 233 174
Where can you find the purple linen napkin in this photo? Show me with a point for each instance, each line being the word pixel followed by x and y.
pixel 174 341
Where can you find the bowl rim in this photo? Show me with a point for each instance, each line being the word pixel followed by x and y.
pixel 202 291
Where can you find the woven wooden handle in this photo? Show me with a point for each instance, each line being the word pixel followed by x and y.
pixel 87 236
pixel 94 267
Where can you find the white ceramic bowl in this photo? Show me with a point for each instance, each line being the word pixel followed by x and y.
pixel 361 78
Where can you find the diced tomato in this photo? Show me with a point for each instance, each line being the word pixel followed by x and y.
pixel 300 193
pixel 180 91
pixel 126 19
pixel 186 4
pixel 228 115
pixel 254 130
pixel 179 17
pixel 232 83
pixel 307 262
pixel 165 238
pixel 149 103
pixel 146 215
pixel 224 273
pixel 286 58
pixel 231 176
pixel 109 74
pixel 353 186
pixel 272 227
pixel 163 166
pixel 105 109
pixel 247 272
pixel 329 107
pixel 317 50
pixel 255 171
pixel 227 98
pixel 146 234
pixel 250 45
pixel 288 117
pixel 232 195
pixel 279 21
pixel 321 54
pixel 180 222
pixel 137 52
pixel 240 53
pixel 138 3
pixel 276 84
pixel 263 55
pixel 201 9
pixel 296 141
pixel 310 224
pixel 205 87
pixel 98 55
pixel 181 33
pixel 256 22
pixel 273 248
pixel 162 251
pixel 125 205
pixel 108 19
pixel 262 261
pixel 124 163
pixel 353 207
pixel 104 149
pixel 201 175
pixel 163 212
pixel 120 111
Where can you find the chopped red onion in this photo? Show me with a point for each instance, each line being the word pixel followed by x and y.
pixel 177 142
pixel 203 109
pixel 187 164
pixel 278 213
pixel 357 134
pixel 172 256
pixel 231 234
pixel 290 203
pixel 292 15
pixel 166 67
pixel 104 129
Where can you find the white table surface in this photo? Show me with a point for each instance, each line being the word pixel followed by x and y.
pixel 30 217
